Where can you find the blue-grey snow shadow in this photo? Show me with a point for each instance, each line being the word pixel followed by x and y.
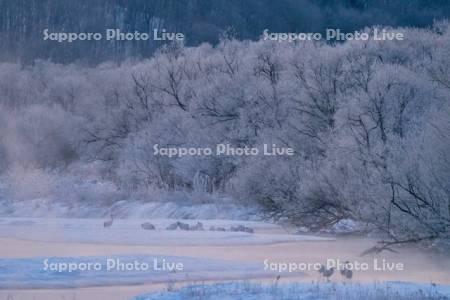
pixel 31 273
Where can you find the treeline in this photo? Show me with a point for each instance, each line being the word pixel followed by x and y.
pixel 369 122
pixel 23 21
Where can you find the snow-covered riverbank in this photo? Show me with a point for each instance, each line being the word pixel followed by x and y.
pixel 207 256
pixel 313 291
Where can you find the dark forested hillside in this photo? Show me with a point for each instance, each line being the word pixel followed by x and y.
pixel 23 21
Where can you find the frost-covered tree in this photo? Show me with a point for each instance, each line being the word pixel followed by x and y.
pixel 368 121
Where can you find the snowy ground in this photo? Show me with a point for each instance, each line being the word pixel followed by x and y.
pixel 33 272
pixel 75 272
pixel 180 208
pixel 129 231
pixel 313 291
pixel 207 256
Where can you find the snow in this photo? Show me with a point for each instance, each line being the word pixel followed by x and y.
pixel 129 231
pixel 303 291
pixel 181 209
pixel 38 273
pixel 348 226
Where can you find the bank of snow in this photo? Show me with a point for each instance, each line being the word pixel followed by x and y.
pixel 302 291
pixel 182 209
pixel 53 272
